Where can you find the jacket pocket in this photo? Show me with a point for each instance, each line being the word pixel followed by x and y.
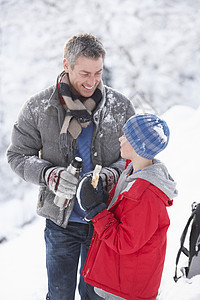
pixel 45 205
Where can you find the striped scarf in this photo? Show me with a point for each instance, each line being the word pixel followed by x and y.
pixel 78 114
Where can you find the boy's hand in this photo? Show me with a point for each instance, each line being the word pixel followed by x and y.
pixel 91 200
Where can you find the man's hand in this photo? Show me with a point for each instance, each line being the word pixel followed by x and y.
pixel 61 182
pixel 109 177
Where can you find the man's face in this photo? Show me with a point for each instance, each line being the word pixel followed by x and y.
pixel 85 76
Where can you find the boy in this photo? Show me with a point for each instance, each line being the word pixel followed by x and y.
pixel 127 253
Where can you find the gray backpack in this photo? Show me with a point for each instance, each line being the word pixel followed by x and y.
pixel 193 253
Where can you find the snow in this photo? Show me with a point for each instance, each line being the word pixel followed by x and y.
pixel 180 157
pixel 22 265
pixel 23 255
pixel 160 130
pixel 152 55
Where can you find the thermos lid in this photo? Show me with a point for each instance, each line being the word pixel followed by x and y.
pixel 77 162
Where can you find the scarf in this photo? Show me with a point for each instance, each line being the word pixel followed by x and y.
pixel 78 114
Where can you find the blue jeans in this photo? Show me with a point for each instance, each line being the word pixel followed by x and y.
pixel 64 246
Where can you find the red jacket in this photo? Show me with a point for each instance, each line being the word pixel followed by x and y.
pixel 127 251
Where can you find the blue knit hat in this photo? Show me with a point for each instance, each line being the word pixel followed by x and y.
pixel 147 134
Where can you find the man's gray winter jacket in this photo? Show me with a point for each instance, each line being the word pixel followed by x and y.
pixel 35 142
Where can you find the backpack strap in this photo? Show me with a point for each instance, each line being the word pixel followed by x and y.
pixel 194 236
pixel 182 240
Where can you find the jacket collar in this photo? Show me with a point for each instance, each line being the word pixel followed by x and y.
pixel 140 186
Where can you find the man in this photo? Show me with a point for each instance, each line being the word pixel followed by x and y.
pixel 78 116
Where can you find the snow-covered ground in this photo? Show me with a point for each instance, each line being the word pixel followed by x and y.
pixel 181 157
pixel 22 264
pixel 22 257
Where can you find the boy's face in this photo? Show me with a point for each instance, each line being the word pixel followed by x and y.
pixel 126 149
pixel 85 76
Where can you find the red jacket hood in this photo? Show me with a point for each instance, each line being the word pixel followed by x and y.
pixel 140 186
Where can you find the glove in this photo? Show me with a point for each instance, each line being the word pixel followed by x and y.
pixel 109 177
pixel 91 200
pixel 87 196
pixel 61 182
pixel 91 213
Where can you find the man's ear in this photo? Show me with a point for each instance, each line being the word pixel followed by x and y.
pixel 66 65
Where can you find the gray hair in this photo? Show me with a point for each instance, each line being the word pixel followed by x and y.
pixel 85 45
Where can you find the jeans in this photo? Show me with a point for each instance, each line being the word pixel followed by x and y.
pixel 64 246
